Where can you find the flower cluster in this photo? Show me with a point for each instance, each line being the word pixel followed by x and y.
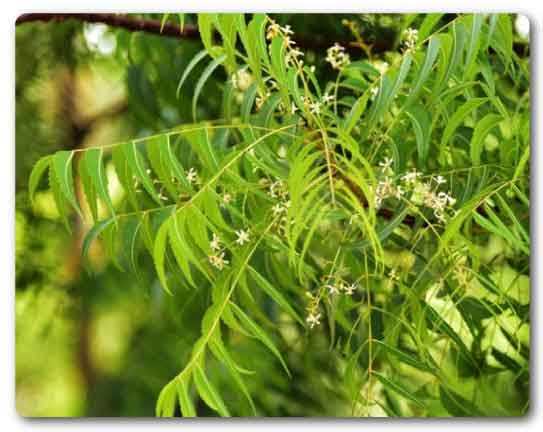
pixel 420 193
pixel 217 259
pixel 313 314
pixel 337 57
pixel 333 285
pixel 411 37
pixel 275 30
pixel 293 55
pixel 278 191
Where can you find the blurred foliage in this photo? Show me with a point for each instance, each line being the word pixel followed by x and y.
pixel 96 333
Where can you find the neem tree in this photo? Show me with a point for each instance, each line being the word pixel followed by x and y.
pixel 384 213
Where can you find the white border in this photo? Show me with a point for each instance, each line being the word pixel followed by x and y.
pixel 533 9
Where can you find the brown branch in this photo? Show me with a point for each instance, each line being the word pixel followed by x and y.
pixel 116 20
pixel 315 42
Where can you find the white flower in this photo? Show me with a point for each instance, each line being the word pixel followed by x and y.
pixel 287 30
pixel 411 177
pixel 332 289
pixel 293 108
pixel 277 209
pixel 273 30
pixel 293 55
pixel 243 237
pixel 440 180
pixel 313 319
pixel 386 164
pixel 374 91
pixel 192 175
pixel 350 289
pixel 327 98
pixel 411 37
pixel 336 56
pixel 393 275
pixel 381 66
pixel 226 198
pixel 218 261
pixel 315 107
pixel 215 243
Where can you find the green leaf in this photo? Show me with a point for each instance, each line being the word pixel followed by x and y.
pixel 475 41
pixel 430 20
pixel 440 324
pixel 210 68
pixel 457 405
pixel 422 125
pixel 459 116
pixel 431 55
pixel 205 26
pixel 95 169
pixel 139 171
pixel 88 189
pixel 37 173
pixel 404 357
pixel 356 112
pixel 62 169
pixel 159 253
pixel 388 91
pixel 275 294
pixel 93 233
pixel 398 388
pixel 165 406
pixel 222 354
pixel 484 126
pixel 192 64
pixel 259 333
pixel 208 393
pixel 185 401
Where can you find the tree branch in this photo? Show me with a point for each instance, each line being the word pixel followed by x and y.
pixel 117 20
pixel 313 42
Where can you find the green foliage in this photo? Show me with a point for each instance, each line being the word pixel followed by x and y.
pixel 306 196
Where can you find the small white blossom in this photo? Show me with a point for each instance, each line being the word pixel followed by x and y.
pixel 294 55
pixel 315 108
pixel 350 289
pixel 226 198
pixel 218 261
pixel 327 98
pixel 411 177
pixel 313 319
pixel 278 208
pixel 393 275
pixel 273 30
pixel 332 289
pixel 286 30
pixel 381 66
pixel 192 175
pixel 243 237
pixel 386 164
pixel 440 180
pixel 215 243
